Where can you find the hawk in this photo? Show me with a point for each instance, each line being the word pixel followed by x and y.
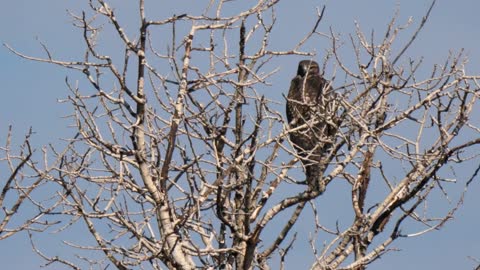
pixel 311 117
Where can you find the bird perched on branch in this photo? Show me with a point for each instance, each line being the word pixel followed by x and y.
pixel 311 116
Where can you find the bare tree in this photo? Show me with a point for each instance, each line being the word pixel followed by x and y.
pixel 181 162
pixel 16 191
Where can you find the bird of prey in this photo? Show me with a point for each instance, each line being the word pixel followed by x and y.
pixel 311 117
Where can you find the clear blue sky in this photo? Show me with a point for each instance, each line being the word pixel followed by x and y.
pixel 30 92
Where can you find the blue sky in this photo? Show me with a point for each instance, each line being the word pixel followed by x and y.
pixel 30 91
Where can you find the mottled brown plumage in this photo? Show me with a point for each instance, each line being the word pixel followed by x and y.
pixel 310 104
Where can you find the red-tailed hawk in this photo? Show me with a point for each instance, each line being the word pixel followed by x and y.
pixel 311 115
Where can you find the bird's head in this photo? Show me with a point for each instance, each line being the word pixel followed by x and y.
pixel 307 67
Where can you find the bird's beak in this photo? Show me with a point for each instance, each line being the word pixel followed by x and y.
pixel 305 70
